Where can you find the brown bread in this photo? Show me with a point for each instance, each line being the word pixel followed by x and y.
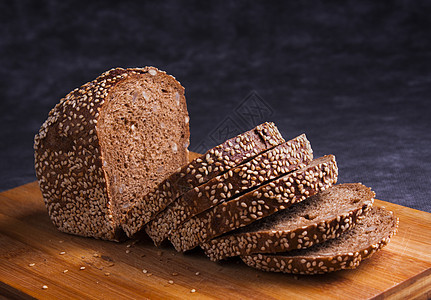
pixel 276 195
pixel 266 166
pixel 320 217
pixel 370 234
pixel 108 143
pixel 215 161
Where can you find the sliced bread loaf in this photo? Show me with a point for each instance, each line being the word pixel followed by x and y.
pixel 268 165
pixel 108 143
pixel 214 162
pixel 370 234
pixel 320 217
pixel 267 199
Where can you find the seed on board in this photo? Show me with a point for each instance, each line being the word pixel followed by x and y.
pixel 192 291
pixel 197 273
pixel 65 271
pixel 31 265
pixel 82 268
pixel 62 253
pixel 171 282
pixel 107 274
pixel 144 271
pixel 44 287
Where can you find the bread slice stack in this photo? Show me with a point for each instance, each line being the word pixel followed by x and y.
pixel 111 160
pixel 281 211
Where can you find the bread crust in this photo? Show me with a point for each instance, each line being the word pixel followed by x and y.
pixel 215 161
pixel 279 160
pixel 69 158
pixel 319 264
pixel 276 195
pixel 273 240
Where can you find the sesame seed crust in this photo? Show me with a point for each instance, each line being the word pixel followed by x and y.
pixel 268 165
pixel 264 201
pixel 215 161
pixel 69 160
pixel 314 220
pixel 316 260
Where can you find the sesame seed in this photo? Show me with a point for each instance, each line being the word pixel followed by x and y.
pixel 193 291
pixel 82 268
pixel 171 282
pixel 31 265
pixel 44 287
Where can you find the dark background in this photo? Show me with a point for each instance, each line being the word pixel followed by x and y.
pixel 355 76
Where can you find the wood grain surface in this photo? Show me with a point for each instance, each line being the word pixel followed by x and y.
pixel 33 254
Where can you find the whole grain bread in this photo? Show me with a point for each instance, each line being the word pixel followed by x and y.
pixel 265 200
pixel 214 162
pixel 108 143
pixel 370 234
pixel 277 161
pixel 320 217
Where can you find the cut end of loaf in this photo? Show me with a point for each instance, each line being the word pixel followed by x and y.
pixel 144 131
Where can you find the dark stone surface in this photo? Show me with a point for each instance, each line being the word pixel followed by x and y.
pixel 354 76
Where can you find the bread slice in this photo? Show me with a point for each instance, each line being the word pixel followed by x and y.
pixel 320 217
pixel 108 143
pixel 214 162
pixel 266 166
pixel 370 234
pixel 276 195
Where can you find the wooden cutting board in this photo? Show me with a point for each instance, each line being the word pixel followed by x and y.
pixel 34 254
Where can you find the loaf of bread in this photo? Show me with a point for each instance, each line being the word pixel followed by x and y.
pixel 323 216
pixel 215 161
pixel 370 234
pixel 268 165
pixel 263 201
pixel 106 145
